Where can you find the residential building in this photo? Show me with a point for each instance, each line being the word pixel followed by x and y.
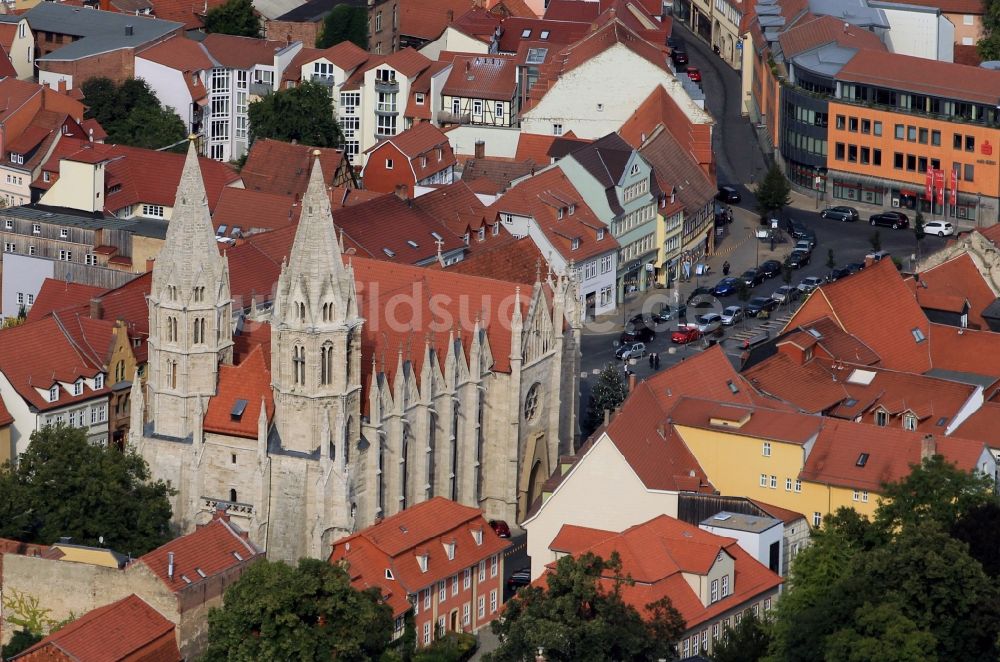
pixel 128 629
pixel 371 382
pixel 438 560
pixel 281 168
pixel 481 90
pixel 305 22
pixel 394 25
pixel 331 67
pixel 761 537
pixel 182 580
pixel 419 156
pixel 18 43
pixel 472 32
pixel 547 208
pixel 178 70
pixel 621 188
pixel 709 579
pixel 72 45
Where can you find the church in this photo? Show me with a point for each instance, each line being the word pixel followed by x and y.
pixel 354 389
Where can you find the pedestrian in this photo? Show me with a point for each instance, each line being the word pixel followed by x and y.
pixel 725 268
pixel 652 357
pixel 656 363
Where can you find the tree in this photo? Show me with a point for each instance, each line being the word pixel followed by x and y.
pixel 608 393
pixel 786 273
pixel 876 241
pixel 309 612
pixel 772 193
pixel 979 528
pixel 344 23
pixel 918 230
pixel 989 46
pixel 236 17
pixel 746 642
pixel 881 633
pixel 574 618
pixel 303 113
pixel 830 262
pixel 66 486
pixel 21 640
pixel 131 114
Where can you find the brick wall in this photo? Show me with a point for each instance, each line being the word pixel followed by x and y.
pixel 117 65
pixel 289 31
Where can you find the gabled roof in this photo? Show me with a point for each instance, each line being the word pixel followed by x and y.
pixel 345 55
pixel 455 206
pixel 180 53
pixel 749 421
pixel 503 257
pixel 478 23
pixel 129 629
pixel 678 172
pixel 235 52
pixel 418 139
pixel 5 417
pixel 499 172
pixel 406 61
pixel 212 548
pixel 957 279
pixel 572 10
pixel 15 94
pixel 427 19
pixel 482 77
pixel 273 166
pixel 247 384
pixel 544 148
pixel 556 32
pixel 247 209
pixel 816 31
pixel 658 553
pixel 59 295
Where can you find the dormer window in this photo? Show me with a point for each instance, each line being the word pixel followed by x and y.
pixel 53 394
pixel 16 158
pixel 477 535
pixel 78 387
pixel 419 98
pixel 496 229
pixel 449 549
pixel 388 574
pixel 576 244
pixel 634 170
pixel 881 417
pixel 572 209
pixel 482 233
pixel 909 422
pixel 560 212
pixel 600 234
pixel 422 560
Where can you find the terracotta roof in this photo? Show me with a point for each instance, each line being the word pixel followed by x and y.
pixel 185 11
pixel 982 425
pixel 427 19
pixel 417 140
pixel 5 417
pixel 892 452
pixel 777 512
pixel 923 76
pixel 559 211
pixel 94 129
pixel 60 295
pixel 514 8
pixel 974 7
pixel 249 384
pixel 128 629
pixel 558 32
pixel 482 77
pixel 406 61
pixel 967 55
pixel 707 375
pixel 572 10
pixel 7 33
pixel 394 544
pixel 818 31
pixel 235 52
pixel 861 305
pixel 345 55
pixel 15 94
pixel 212 548
pixel 341 196
pixel 274 166
pixel 180 53
pixel 660 109
pixel 679 171
pixel 659 553
pixel 503 257
pixel 498 172
pixel 761 422
pixel 251 337
pixel 964 350
pixel 544 148
pixel 456 207
pixel 957 279
pixel 247 209
pixel 478 23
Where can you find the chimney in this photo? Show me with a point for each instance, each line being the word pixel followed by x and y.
pixel 128 31
pixel 631 382
pixel 480 149
pixel 401 192
pixel 928 447
pixel 170 565
pixel 61 85
pixel 451 15
pixel 607 417
pixel 96 308
pixel 869 261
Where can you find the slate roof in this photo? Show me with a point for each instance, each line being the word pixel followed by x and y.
pixel 97 31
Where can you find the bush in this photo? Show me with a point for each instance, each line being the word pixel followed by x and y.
pixel 452 647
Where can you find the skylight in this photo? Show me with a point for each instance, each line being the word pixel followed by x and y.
pixel 544 35
pixel 941 421
pixel 389 252
pixel 722 517
pixel 863 377
pixel 815 333
pixel 525 33
pixel 850 402
pixel 733 387
pixel 862 459
pixel 536 55
pixel 237 411
pixel 412 244
pixel 918 335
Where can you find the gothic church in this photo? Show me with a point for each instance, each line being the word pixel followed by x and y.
pixel 381 385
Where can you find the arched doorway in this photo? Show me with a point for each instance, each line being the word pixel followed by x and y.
pixel 535 480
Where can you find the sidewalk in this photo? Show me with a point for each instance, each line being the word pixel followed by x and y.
pixel 807 202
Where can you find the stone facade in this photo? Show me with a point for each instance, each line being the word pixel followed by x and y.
pixel 349 439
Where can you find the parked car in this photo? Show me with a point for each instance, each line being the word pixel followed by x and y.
pixel 694 74
pixel 890 219
pixel 855 267
pixel 837 273
pixel 642 319
pixel 810 283
pixel 500 528
pixel 725 287
pixel 685 334
pixel 843 214
pixel 519 579
pixel 786 294
pixel 877 256
pixel 708 322
pixel 637 334
pixel 668 312
pixel 731 315
pixel 631 350
pixel 752 277
pixel 679 56
pixel 770 268
pixel 757 305
pixel 940 228
pixel 797 259
pixel 701 297
pixel 806 244
pixel 797 230
pixel 728 194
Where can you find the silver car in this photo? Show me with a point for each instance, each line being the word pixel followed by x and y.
pixel 731 315
pixel 708 322
pixel 786 294
pixel 810 283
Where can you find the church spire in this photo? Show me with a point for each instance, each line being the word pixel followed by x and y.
pixel 316 251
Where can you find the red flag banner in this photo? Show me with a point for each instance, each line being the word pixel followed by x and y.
pixel 929 185
pixel 954 186
pixel 939 185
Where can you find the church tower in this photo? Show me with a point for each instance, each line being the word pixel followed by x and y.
pixel 316 337
pixel 190 312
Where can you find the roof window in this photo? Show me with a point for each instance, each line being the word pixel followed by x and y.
pixel 236 413
pixel 389 252
pixel 862 460
pixel 918 335
pixel 525 33
pixel 733 387
pixel 544 34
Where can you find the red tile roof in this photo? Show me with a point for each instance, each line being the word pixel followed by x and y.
pixel 5 417
pixel 349 197
pixel 250 381
pixel 395 543
pixel 982 425
pixel 560 32
pixel 539 147
pixel 427 19
pixel 128 629
pixel 60 295
pixel 548 198
pixel 346 55
pixel 816 31
pixel 424 145
pixel 572 10
pixel 892 452
pixel 708 375
pixel 15 94
pixel 503 257
pixel 657 554
pixel 456 207
pixel 180 53
pixel 777 512
pixel 248 209
pixel 923 76
pixel 478 23
pixel 482 77
pixel 957 279
pixel 184 11
pixel 765 423
pixel 94 129
pixel 235 52
pixel 964 350
pixel 282 168
pixel 213 548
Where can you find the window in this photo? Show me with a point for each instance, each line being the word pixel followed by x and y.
pixel 935 138
pixel 788 484
pixel 63 233
pixel 388 164
pixel 482 570
pixel 98 382
pixel 482 234
pixel 467 578
pixel 798 485
pixel 419 98
pixel 53 394
pixel 857 495
pixel 911 133
pixel 841 122
pixel 427 599
pixel 154 211
pixel 493 601
pixel 8 225
pixel 766 451
pixel 767 604
pixel 466 614
pixel 481 607
pixel 378 21
pixel 454 585
pixel 715 631
pixel 442 591
pixel 911 162
pixel 763 480
pixel 544 35
pixel 525 33
pixel 852 124
pixel 774 482
pixel 725 585
pixel 970 172
pixel 78 387
pixel 498 111
pixel 956 140
pixel 66 256
pixel 477 107
pixel 897 161
pixel 817 519
pixel 876 156
pixel 852 153
pixel 36 228
pixel 970 143
pixel 494 562
pixel 864 496
pixel 866 126
pixel 9 247
pixel 714 592
pixel 900 132
pixel 877 128
pixel 575 244
pixel 427 625
pixel 881 417
pixel 88 258
pixel 838 152
pixel 909 422
pixel 557 129
pixel 695 643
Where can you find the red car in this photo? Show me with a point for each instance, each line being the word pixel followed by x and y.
pixel 685 334
pixel 694 74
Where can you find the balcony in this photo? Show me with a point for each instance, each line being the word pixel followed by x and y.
pixel 228 506
pixel 448 117
pixel 387 86
pixel 386 109
pixel 261 89
pixel 322 79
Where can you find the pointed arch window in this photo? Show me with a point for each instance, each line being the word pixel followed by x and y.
pixel 380 476
pixel 453 471
pixel 347 439
pixel 349 358
pixel 199 294
pixel 199 330
pixel 327 312
pixel 299 364
pixel 431 443
pixel 172 329
pixel 404 466
pixel 171 370
pixel 300 309
pixel 480 443
pixel 120 371
pixel 326 364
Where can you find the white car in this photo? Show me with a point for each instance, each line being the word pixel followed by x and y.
pixel 810 283
pixel 731 315
pixel 939 228
pixel 708 322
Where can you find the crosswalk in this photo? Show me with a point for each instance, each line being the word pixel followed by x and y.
pixel 772 325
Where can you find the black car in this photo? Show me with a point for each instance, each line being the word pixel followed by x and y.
pixel 643 319
pixel 519 579
pixel 752 277
pixel 668 312
pixel 891 219
pixel 637 334
pixel 679 56
pixel 770 269
pixel 703 295
pixel 797 230
pixel 797 259
pixel 728 194
pixel 758 304
pixel 838 273
pixel 844 214
pixel 855 267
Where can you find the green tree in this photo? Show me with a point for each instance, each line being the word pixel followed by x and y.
pixel 67 486
pixel 574 618
pixel 979 528
pixel 876 241
pixel 608 393
pixel 309 612
pixel 989 46
pixel 235 17
pixel 747 642
pixel 344 23
pixel 303 113
pixel 131 114
pixel 881 633
pixel 21 640
pixel 773 192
